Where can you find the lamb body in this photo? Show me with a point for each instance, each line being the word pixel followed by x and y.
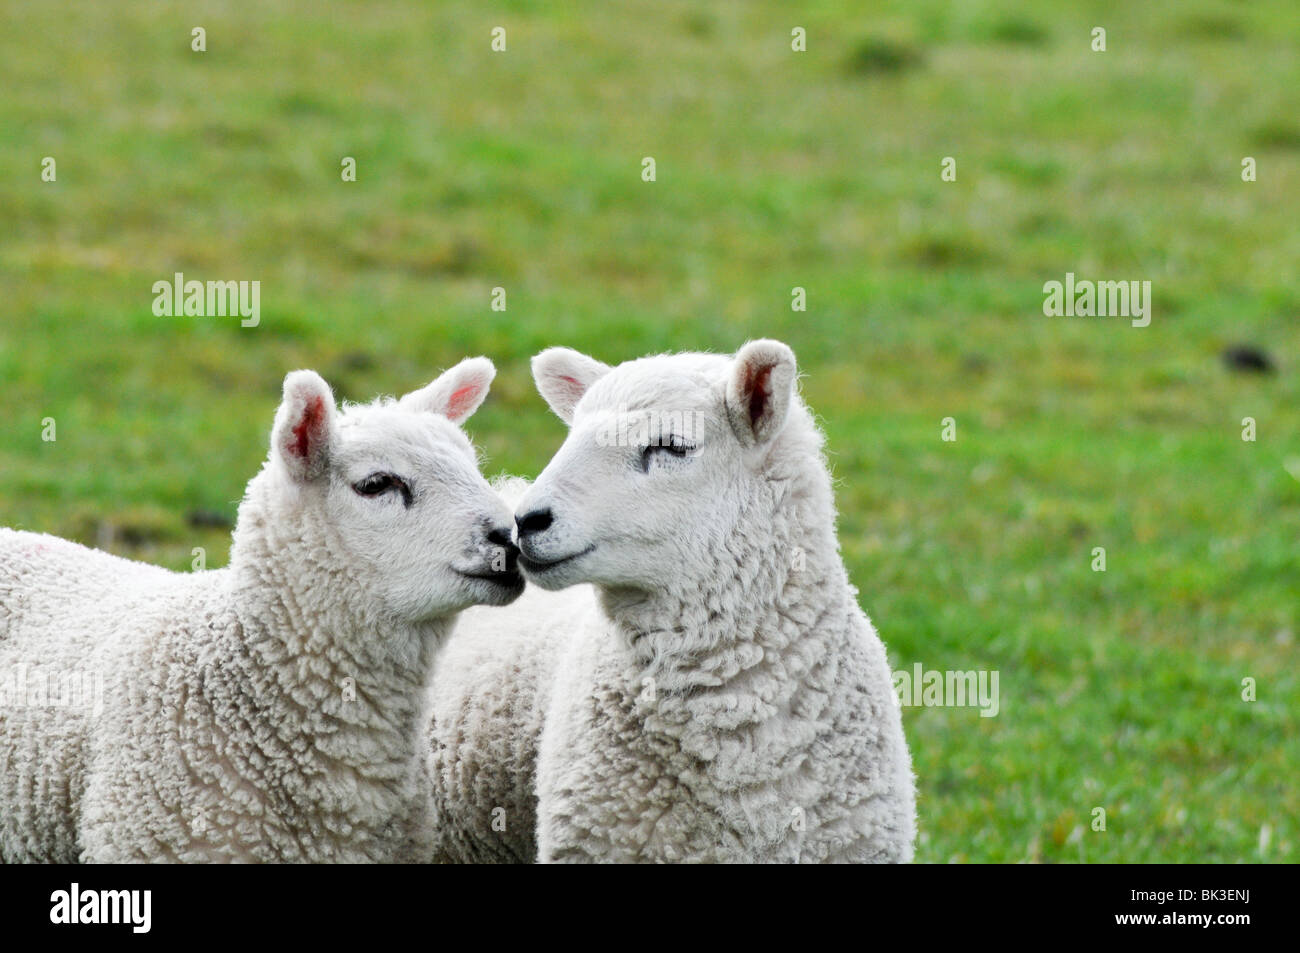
pixel 716 694
pixel 267 711
pixel 491 688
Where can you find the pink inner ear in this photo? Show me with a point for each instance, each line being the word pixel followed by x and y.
pixel 572 388
pixel 461 401
pixel 757 382
pixel 313 415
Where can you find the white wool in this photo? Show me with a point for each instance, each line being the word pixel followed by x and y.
pixel 491 686
pixel 511 489
pixel 716 693
pixel 267 711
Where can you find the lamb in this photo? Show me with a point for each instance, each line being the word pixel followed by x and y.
pixel 488 699
pixel 710 689
pixel 268 711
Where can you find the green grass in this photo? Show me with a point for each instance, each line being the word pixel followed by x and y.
pixel 776 169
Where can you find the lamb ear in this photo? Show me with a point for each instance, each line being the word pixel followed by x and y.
pixel 759 390
pixel 304 426
pixel 457 393
pixel 563 375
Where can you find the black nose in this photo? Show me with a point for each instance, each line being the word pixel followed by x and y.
pixel 501 537
pixel 534 522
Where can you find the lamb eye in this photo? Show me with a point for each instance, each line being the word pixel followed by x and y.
pixel 375 484
pixel 378 484
pixel 674 446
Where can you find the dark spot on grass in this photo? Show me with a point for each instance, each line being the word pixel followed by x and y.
pixel 343 388
pixel 1276 134
pixel 1210 26
pixel 457 196
pixel 453 256
pixel 1032 171
pixel 1019 31
pixel 226 134
pixel 137 536
pixel 208 519
pixel 699 24
pixel 878 56
pixel 341 376
pixel 357 361
pixel 1167 301
pixel 943 251
pixel 273 322
pixel 1040 223
pixel 1248 359
pixel 302 104
pixel 134 529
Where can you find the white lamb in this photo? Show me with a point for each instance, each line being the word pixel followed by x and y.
pixel 268 711
pixel 716 694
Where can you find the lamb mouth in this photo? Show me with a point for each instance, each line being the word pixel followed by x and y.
pixel 509 578
pixel 540 566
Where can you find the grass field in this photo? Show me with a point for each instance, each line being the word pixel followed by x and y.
pixel 775 169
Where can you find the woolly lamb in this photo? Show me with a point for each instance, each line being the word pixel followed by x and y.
pixel 268 711
pixel 491 688
pixel 717 694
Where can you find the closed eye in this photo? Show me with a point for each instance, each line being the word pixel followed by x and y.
pixel 671 446
pixel 377 484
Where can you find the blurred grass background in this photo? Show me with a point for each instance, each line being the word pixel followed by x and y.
pixel 776 169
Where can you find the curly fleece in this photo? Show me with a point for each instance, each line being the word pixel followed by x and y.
pixel 741 711
pixel 268 711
